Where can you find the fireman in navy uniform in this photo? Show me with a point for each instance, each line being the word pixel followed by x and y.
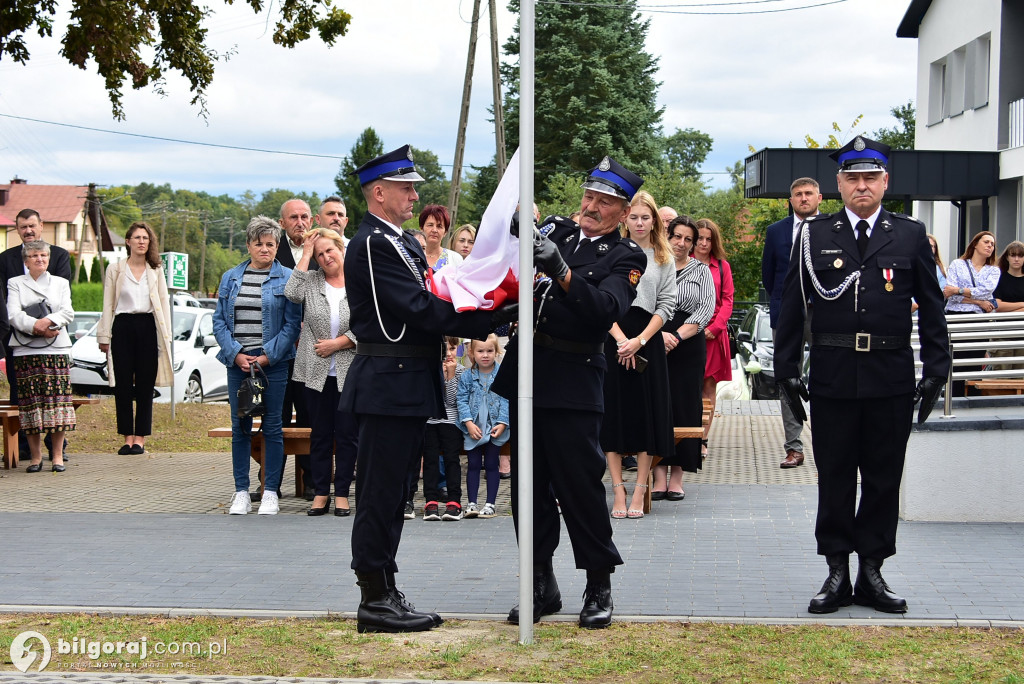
pixel 857 270
pixel 592 274
pixel 395 381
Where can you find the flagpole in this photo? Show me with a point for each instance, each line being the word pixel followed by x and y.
pixel 525 333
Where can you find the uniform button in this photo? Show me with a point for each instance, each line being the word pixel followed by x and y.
pixel 863 310
pixel 543 319
pixel 550 297
pixel 588 359
pixel 590 273
pixel 401 365
pixel 863 289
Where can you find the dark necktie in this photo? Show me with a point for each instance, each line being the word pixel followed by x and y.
pixel 862 237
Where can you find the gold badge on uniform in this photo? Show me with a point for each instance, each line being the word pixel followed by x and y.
pixel 887 272
pixel 634 277
pixel 838 263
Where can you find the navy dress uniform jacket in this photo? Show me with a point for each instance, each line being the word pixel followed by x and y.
pixel 601 291
pixel 383 290
pixel 897 242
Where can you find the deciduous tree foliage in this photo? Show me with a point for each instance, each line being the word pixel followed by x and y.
pixel 139 41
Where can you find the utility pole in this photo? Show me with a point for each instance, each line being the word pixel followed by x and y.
pixel 202 254
pixel 460 140
pixel 91 212
pixel 163 223
pixel 499 119
pixel 231 235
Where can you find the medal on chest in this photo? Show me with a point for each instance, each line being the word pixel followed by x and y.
pixel 887 274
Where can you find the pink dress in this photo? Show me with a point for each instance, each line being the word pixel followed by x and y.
pixel 719 363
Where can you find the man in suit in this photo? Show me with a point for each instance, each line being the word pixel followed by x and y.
pixel 859 270
pixel 804 198
pixel 29 225
pixel 592 275
pixel 296 219
pixel 334 215
pixel 395 383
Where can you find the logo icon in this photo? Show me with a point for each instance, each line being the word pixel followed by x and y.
pixel 23 653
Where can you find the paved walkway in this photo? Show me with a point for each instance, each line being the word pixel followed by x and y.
pixel 148 534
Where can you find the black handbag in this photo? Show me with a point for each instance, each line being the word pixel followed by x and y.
pixel 250 394
pixel 38 310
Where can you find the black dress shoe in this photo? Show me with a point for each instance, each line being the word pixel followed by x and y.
pixel 34 468
pixel 836 592
pixel 308 494
pixel 58 468
pixel 658 496
pixel 342 512
pixel 675 496
pixel 547 599
pixel 124 450
pixel 314 511
pixel 872 591
pixel 137 449
pixel 379 611
pixel 597 600
pixel 399 597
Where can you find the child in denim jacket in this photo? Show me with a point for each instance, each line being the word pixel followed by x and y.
pixel 483 418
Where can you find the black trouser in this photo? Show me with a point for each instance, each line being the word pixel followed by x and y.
pixel 332 441
pixel 387 445
pixel 134 354
pixel 295 399
pixel 568 465
pixel 442 440
pixel 870 436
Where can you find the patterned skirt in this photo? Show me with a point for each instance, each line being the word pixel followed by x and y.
pixel 44 393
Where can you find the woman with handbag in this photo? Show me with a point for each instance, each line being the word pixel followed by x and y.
pixel 255 324
pixel 135 333
pixel 39 309
pixel 718 366
pixel 327 346
pixel 637 404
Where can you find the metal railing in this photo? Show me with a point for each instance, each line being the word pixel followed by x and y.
pixel 1015 124
pixel 979 332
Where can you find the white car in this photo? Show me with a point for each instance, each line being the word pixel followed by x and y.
pixel 198 375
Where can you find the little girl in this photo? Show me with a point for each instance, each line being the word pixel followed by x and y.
pixel 483 417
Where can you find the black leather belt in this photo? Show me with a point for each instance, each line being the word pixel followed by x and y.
pixel 860 341
pixel 399 350
pixel 545 340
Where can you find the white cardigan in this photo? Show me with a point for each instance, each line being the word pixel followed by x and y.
pixel 116 273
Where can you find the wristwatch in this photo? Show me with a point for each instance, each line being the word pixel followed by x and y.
pixel 643 340
pixel 960 292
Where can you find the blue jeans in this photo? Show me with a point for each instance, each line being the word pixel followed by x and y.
pixel 273 437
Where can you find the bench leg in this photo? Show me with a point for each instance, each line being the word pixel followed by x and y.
pixel 257 455
pixel 10 432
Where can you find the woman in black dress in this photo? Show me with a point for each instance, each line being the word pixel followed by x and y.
pixel 684 345
pixel 637 416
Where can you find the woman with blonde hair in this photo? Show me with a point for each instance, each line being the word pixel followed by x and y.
pixel 718 366
pixel 637 403
pixel 135 333
pixel 462 239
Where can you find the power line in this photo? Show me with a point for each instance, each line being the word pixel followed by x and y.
pixel 658 9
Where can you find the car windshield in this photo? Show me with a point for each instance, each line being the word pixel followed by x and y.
pixel 183 323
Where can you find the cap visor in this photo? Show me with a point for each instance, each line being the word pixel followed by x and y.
pixel 598 186
pixel 862 167
pixel 411 176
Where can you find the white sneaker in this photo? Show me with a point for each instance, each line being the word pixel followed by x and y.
pixel 269 504
pixel 240 504
pixel 471 510
pixel 488 511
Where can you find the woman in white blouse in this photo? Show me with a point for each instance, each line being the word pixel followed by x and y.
pixel 135 333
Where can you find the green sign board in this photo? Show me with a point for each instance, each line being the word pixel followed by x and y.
pixel 176 269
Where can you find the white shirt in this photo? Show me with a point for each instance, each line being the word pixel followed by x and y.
pixel 335 296
pixel 854 219
pixel 134 295
pixel 796 226
pixel 296 250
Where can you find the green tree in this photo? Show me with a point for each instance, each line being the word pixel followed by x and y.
pixel 595 89
pixel 367 146
pixel 901 136
pixel 435 186
pixel 138 42
pixel 686 150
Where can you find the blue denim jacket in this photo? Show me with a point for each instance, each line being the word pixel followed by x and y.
pixel 281 317
pixel 472 394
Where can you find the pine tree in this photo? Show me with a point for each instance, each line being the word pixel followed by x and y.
pixel 595 90
pixel 366 147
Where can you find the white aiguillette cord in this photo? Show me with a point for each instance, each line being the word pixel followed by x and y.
pixel 834 293
pixel 407 258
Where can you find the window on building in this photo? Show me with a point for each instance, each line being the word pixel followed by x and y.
pixel 959 81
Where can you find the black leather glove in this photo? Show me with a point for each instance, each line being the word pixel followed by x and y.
pixel 547 258
pixel 927 393
pixel 793 390
pixel 505 314
pixel 514 226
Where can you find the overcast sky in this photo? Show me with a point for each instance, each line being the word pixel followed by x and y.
pixel 752 79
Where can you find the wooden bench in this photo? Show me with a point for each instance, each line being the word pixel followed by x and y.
pixel 296 441
pixel 11 423
pixel 993 386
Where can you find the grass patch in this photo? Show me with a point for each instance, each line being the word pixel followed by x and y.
pixel 633 653
pixel 96 431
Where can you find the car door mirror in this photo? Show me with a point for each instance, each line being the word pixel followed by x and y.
pixel 208 341
pixel 743 336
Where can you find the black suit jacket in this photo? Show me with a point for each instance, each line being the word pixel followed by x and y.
pixel 898 243
pixel 384 286
pixel 285 258
pixel 778 242
pixel 601 290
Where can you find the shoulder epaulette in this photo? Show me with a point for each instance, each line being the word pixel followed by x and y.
pixel 908 217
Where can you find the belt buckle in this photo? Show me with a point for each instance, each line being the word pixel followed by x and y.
pixel 862 342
